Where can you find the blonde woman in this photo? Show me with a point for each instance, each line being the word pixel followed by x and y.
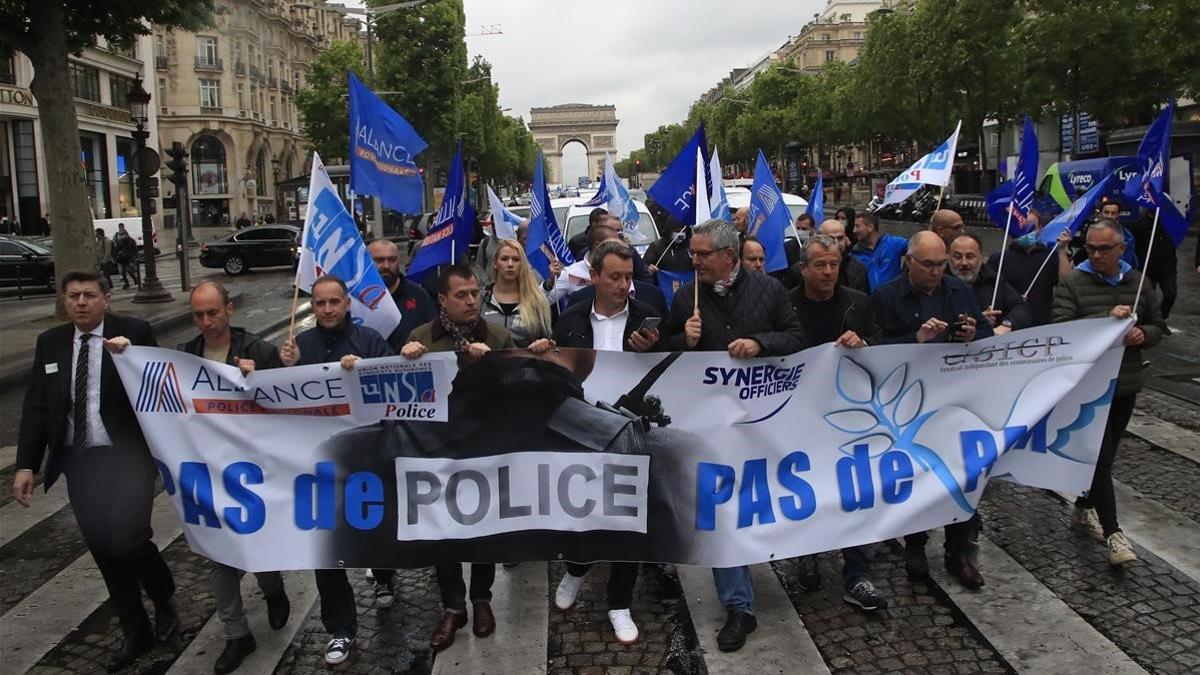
pixel 515 299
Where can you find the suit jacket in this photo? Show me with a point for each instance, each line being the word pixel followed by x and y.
pixel 574 327
pixel 47 406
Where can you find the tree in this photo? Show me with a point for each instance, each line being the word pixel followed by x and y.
pixel 47 31
pixel 324 108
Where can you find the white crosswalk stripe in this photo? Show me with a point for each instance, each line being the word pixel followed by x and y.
pixel 35 625
pixel 8 456
pixel 1166 435
pixel 203 650
pixel 1032 628
pixel 1171 536
pixel 16 520
pixel 519 599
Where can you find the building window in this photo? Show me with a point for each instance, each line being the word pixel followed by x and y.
pixel 127 202
pixel 162 92
pixel 208 167
pixel 118 90
pixel 825 36
pixel 160 46
pixel 829 55
pixel 85 81
pixel 241 92
pixel 237 53
pixel 210 93
pixel 93 159
pixel 260 173
pixel 206 51
pixel 253 98
pixel 8 73
pixel 296 80
pixel 274 116
pixel 857 35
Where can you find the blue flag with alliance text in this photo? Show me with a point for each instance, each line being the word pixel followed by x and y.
pixel 769 217
pixel 449 237
pixel 1146 188
pixel 382 147
pixel 543 227
pixel 1016 195
pixel 675 189
pixel 1073 217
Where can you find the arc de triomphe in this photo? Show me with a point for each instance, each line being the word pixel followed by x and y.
pixel 595 126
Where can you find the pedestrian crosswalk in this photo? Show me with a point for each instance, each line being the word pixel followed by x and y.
pixel 1019 614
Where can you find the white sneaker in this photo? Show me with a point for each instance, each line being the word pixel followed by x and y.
pixel 568 589
pixel 338 650
pixel 623 626
pixel 1120 551
pixel 1086 521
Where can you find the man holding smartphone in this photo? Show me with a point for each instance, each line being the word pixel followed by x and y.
pixel 925 305
pixel 613 321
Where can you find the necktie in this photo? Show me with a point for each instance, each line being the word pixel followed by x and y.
pixel 81 394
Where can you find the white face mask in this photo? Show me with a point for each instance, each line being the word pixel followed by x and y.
pixel 803 235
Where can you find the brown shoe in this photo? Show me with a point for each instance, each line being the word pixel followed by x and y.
pixel 443 635
pixel 961 568
pixel 485 621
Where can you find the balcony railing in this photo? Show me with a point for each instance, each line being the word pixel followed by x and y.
pixel 256 73
pixel 239 67
pixel 272 81
pixel 286 87
pixel 211 110
pixel 205 63
pixel 160 62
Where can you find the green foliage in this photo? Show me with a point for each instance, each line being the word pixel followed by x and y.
pixel 119 22
pixel 323 105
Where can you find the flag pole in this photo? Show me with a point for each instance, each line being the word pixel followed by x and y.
pixel 295 300
pixel 941 193
pixel 1049 255
pixel 1149 247
pixel 696 294
pixel 665 251
pixel 1003 248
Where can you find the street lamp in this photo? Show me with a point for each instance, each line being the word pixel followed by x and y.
pixel 146 163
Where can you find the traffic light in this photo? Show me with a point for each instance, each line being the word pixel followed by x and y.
pixel 177 164
pixel 147 187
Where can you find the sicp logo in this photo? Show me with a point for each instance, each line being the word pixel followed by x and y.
pixel 414 386
pixel 160 391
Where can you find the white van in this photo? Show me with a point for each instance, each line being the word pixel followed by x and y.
pixel 133 225
pixel 573 219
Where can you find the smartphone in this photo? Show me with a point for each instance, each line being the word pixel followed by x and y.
pixel 649 324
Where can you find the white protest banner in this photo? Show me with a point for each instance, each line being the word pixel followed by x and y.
pixel 691 458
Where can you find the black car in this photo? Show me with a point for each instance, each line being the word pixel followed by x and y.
pixel 25 263
pixel 252 247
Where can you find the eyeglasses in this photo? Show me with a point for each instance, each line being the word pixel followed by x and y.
pixel 1103 249
pixel 930 265
pixel 703 255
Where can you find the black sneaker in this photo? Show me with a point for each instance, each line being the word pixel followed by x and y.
pixel 915 564
pixel 809 578
pixel 865 595
pixel 338 650
pixel 235 650
pixel 384 595
pixel 278 610
pixel 737 626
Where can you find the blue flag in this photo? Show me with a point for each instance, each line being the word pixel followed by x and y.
pixel 1146 188
pixel 675 189
pixel 1073 217
pixel 450 235
pixel 1017 194
pixel 816 203
pixel 382 147
pixel 601 196
pixel 543 227
pixel 671 281
pixel 769 217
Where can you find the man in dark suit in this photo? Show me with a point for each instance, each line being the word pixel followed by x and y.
pixel 76 407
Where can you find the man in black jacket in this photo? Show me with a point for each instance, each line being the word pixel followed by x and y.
pixel 851 272
pixel 335 339
pixel 415 305
pixel 669 252
pixel 1024 259
pixel 614 322
pixel 831 312
pixel 966 262
pixel 76 407
pixel 924 305
pixel 212 311
pixel 746 314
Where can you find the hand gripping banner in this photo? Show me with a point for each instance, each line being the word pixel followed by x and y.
pixel 691 458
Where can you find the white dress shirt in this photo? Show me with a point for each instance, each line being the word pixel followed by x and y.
pixel 608 332
pixel 96 433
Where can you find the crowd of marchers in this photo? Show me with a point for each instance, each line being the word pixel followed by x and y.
pixel 846 283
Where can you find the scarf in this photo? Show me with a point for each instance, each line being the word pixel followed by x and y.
pixel 723 287
pixel 460 333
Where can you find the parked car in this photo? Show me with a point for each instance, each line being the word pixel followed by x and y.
pixel 253 247
pixel 25 263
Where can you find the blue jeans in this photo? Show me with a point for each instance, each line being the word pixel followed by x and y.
pixel 856 564
pixel 734 588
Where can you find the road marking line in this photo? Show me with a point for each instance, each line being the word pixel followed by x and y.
pixel 1025 621
pixel 522 616
pixel 16 520
pixel 1166 435
pixel 44 617
pixel 203 650
pixel 1164 532
pixel 8 456
pixel 781 644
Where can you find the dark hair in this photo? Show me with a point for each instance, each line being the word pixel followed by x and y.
pixel 330 279
pixel 460 270
pixel 596 216
pixel 606 248
pixel 747 240
pixel 599 233
pixel 84 277
pixel 224 292
pixel 970 235
pixel 805 216
pixel 869 218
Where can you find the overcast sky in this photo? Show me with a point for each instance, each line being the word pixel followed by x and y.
pixel 650 58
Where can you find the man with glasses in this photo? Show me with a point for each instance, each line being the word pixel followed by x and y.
pixel 1091 290
pixel 924 305
pixel 745 314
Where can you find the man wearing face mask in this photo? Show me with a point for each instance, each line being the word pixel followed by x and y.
pixel 1024 257
pixel 966 262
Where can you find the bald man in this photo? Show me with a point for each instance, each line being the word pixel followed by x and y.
pixel 925 305
pixel 741 220
pixel 851 273
pixel 947 224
